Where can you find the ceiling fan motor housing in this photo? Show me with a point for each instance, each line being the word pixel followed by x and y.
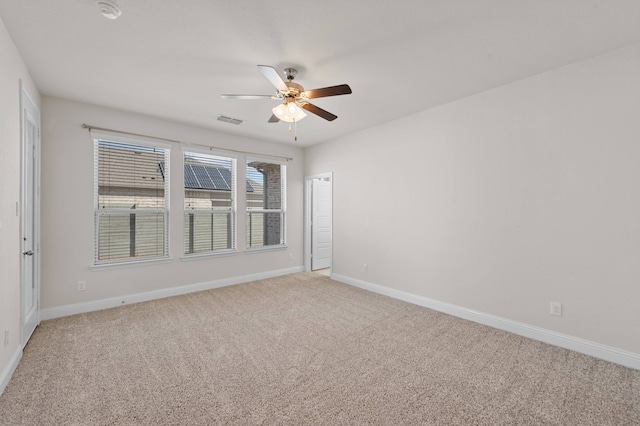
pixel 294 89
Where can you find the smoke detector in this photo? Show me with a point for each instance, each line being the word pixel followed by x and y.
pixel 108 8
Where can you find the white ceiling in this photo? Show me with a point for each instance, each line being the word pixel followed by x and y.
pixel 173 59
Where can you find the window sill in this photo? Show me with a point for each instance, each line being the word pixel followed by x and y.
pixel 249 250
pixel 208 255
pixel 131 263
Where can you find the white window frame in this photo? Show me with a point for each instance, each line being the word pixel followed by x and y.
pixel 283 205
pixel 233 211
pixel 137 141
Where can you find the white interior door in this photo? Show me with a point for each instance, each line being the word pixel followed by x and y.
pixel 321 234
pixel 30 294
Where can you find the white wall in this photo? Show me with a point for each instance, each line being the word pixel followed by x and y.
pixel 12 71
pixel 505 201
pixel 67 209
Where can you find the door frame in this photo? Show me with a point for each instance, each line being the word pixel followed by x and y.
pixel 28 110
pixel 308 181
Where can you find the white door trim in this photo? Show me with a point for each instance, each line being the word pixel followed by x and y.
pixel 308 180
pixel 30 162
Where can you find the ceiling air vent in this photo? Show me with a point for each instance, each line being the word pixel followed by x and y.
pixel 229 119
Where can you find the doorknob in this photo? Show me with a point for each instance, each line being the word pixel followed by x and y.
pixel 28 253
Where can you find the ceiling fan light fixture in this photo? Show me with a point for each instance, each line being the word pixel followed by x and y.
pixel 289 112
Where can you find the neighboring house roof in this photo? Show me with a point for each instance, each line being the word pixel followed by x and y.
pixel 207 177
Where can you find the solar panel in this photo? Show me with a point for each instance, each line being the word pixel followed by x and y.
pixel 197 176
pixel 226 175
pixel 216 178
pixel 190 180
pixel 203 177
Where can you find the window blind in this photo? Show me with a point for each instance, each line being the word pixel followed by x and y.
pixel 209 203
pixel 265 203
pixel 131 186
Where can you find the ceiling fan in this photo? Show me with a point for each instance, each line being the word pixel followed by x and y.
pixel 293 96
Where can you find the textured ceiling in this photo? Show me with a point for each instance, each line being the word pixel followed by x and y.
pixel 173 59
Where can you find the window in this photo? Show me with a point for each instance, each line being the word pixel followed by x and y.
pixel 266 203
pixel 131 202
pixel 209 203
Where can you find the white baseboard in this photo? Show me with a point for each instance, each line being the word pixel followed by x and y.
pixel 6 374
pixel 96 305
pixel 618 356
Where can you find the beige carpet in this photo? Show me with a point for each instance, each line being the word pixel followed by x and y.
pixel 303 350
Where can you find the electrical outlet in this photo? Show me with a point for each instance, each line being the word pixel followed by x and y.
pixel 365 267
pixel 82 285
pixel 556 309
pixel 6 337
pixel 290 256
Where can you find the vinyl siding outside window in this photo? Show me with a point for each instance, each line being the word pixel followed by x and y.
pixel 131 201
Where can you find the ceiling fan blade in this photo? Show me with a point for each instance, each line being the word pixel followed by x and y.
pixel 273 76
pixel 341 89
pixel 318 111
pixel 249 97
pixel 273 119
